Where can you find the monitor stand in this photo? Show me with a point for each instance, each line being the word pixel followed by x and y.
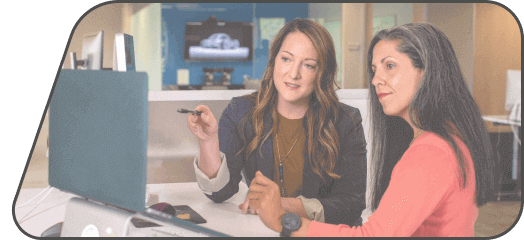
pixel 84 218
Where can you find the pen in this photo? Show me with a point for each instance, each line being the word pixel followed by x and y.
pixel 182 110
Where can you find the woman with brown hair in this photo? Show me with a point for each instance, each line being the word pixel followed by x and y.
pixel 293 130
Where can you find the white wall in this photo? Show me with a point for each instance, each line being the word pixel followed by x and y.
pixel 457 21
pixel 403 11
pixel 145 29
pixel 329 15
pixel 353 45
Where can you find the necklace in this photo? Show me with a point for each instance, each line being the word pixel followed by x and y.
pixel 281 161
pixel 416 137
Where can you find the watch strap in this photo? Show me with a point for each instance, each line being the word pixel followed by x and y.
pixel 286 229
pixel 285 233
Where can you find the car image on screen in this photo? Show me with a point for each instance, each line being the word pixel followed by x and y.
pixel 221 41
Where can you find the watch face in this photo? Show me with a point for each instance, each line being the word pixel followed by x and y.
pixel 291 222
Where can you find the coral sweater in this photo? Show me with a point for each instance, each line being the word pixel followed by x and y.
pixel 424 197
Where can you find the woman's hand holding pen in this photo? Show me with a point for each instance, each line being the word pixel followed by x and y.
pixel 204 126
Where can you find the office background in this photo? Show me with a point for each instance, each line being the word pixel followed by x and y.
pixel 485 36
pixel 487 43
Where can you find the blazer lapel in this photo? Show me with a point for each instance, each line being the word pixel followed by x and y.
pixel 310 180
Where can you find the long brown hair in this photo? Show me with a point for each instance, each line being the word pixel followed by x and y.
pixel 322 137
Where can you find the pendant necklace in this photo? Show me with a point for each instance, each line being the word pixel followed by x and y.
pixel 281 160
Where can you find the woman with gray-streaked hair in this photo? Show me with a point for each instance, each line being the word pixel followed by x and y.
pixel 433 162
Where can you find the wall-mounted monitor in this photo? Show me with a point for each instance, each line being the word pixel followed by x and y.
pixel 218 41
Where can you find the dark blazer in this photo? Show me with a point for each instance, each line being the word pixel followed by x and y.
pixel 343 199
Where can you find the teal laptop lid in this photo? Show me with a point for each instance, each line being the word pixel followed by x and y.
pixel 98 136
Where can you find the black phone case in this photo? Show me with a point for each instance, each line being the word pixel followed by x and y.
pixel 194 217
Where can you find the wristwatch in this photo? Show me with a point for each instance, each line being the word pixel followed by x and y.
pixel 290 223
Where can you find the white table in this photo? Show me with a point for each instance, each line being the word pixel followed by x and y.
pixel 500 119
pixel 222 217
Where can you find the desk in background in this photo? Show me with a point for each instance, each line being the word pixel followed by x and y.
pixel 500 124
pixel 222 217
pixel 500 119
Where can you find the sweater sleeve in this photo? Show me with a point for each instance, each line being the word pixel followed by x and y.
pixel 313 207
pixel 419 183
pixel 208 186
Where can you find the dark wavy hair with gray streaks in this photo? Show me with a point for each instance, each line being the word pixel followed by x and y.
pixel 442 105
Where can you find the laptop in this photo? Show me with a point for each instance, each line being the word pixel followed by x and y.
pixel 98 122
